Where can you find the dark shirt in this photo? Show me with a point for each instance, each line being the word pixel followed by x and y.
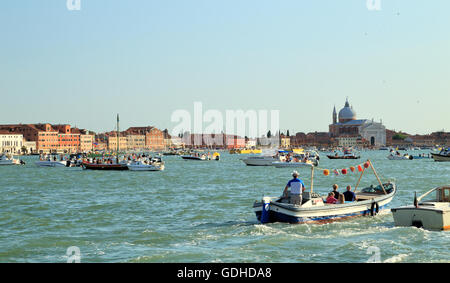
pixel 336 194
pixel 349 196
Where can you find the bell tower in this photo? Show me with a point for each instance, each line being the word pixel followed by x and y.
pixel 334 115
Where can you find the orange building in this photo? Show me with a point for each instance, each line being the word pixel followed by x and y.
pixel 68 141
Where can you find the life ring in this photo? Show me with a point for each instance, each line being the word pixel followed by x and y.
pixel 374 208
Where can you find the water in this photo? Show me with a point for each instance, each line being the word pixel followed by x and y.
pixel 202 212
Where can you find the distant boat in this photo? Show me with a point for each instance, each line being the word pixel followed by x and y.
pixel 108 166
pixel 9 160
pixel 201 156
pixel 443 155
pixel 348 154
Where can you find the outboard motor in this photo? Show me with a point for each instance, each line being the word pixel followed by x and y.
pixel 22 162
pixel 265 210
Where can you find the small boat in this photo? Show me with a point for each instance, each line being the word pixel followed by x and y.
pixel 110 166
pixel 443 155
pixel 51 163
pixel 433 214
pixel 201 156
pixel 266 158
pixel 348 154
pixel 9 160
pixel 142 166
pixel 400 157
pixel 370 201
pixel 298 160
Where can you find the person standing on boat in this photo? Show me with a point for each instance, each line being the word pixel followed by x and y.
pixel 297 188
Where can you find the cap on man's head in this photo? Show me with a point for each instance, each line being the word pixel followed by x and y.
pixel 295 173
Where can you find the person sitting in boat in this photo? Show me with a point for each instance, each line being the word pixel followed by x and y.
pixel 331 199
pixel 341 199
pixel 349 195
pixel 335 192
pixel 297 188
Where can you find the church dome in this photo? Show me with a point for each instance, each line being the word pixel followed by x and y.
pixel 347 113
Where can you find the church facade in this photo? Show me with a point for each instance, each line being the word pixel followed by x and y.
pixel 346 125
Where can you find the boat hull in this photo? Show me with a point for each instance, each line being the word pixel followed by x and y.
pixel 279 212
pixel 51 163
pixel 9 162
pixel 280 164
pixel 117 167
pixel 422 217
pixel 440 157
pixel 259 161
pixel 394 157
pixel 145 168
pixel 343 157
pixel 193 158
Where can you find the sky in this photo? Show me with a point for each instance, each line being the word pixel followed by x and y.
pixel 146 59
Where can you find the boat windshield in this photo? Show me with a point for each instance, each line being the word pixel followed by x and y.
pixel 378 189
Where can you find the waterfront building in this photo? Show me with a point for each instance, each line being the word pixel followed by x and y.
pixel 135 142
pixel 87 140
pixel 29 146
pixel 47 141
pixel 68 140
pixel 285 141
pixel 346 124
pixel 112 143
pixel 10 142
pixel 154 139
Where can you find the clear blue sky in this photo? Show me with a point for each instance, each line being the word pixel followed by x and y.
pixel 145 59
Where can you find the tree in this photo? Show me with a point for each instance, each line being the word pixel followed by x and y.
pixel 269 134
pixel 287 133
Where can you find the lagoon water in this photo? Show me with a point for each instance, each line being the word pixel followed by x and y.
pixel 202 212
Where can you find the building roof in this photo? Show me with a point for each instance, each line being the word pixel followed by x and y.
pixel 347 113
pixel 353 122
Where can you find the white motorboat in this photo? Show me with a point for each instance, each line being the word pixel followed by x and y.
pixel 433 214
pixel 143 166
pixel 260 160
pixel 51 163
pixel 370 201
pixel 9 160
pixel 266 158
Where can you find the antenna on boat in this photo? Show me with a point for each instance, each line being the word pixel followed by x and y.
pixel 118 139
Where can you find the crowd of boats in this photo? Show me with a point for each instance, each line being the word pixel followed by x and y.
pixel 133 162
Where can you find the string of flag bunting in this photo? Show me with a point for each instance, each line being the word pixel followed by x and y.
pixel 345 171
